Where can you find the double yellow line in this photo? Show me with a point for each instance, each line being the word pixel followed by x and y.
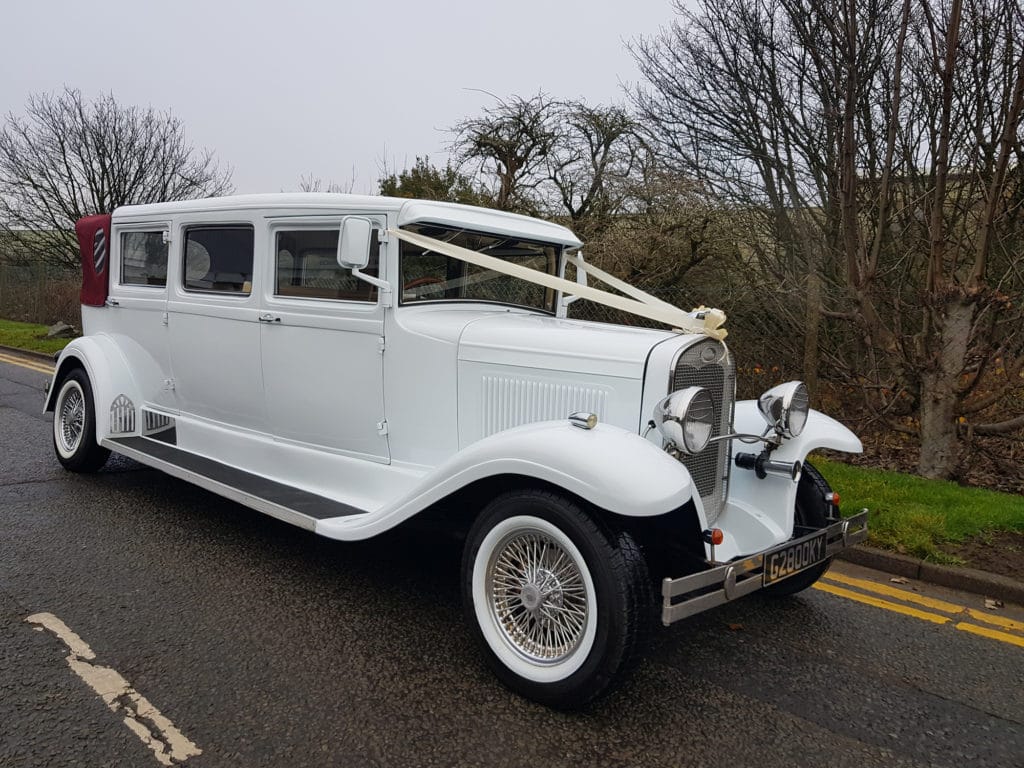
pixel 939 611
pixel 25 362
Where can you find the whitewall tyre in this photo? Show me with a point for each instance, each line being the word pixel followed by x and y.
pixel 74 425
pixel 559 603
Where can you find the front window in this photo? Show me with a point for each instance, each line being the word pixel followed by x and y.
pixel 307 267
pixel 431 276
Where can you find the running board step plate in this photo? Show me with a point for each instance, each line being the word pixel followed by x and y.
pixel 284 502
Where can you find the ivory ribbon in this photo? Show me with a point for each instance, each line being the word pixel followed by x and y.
pixel 706 321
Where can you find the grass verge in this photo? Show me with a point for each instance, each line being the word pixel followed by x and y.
pixel 29 336
pixel 920 517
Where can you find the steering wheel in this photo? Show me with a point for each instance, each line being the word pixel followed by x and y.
pixel 417 282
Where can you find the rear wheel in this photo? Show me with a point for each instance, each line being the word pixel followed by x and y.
pixel 560 604
pixel 74 425
pixel 813 509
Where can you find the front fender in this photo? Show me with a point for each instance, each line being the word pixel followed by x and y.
pixel 608 466
pixel 760 511
pixel 821 431
pixel 108 373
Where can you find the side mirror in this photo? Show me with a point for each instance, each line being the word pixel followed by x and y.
pixel 354 242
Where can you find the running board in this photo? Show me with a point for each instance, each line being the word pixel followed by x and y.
pixel 285 502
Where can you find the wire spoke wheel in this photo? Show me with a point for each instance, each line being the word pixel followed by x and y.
pixel 74 425
pixel 558 601
pixel 70 418
pixel 537 596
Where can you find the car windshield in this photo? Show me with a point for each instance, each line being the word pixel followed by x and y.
pixel 431 276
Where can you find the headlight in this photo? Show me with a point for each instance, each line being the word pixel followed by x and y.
pixel 785 408
pixel 686 418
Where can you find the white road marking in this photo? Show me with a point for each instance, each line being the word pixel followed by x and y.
pixel 169 745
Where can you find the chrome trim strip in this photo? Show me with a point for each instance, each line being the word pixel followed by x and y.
pixel 741 577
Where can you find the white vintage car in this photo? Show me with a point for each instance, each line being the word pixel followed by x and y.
pixel 344 363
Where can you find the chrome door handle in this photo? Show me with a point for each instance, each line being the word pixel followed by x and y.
pixel 269 318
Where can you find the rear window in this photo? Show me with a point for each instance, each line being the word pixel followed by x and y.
pixel 144 258
pixel 219 259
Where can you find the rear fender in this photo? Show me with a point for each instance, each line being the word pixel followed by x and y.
pixel 109 376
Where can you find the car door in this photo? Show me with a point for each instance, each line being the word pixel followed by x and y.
pixel 137 306
pixel 213 324
pixel 322 336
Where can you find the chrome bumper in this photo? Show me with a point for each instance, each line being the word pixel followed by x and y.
pixel 699 592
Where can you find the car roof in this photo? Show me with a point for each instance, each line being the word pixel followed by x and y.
pixel 409 212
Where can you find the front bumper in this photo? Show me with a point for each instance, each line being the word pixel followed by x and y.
pixel 689 595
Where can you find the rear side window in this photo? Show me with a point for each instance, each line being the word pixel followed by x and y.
pixel 219 259
pixel 307 267
pixel 143 258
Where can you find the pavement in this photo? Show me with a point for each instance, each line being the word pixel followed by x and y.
pixel 971 580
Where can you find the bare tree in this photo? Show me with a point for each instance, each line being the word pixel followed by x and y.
pixel 68 158
pixel 591 167
pixel 508 145
pixel 564 159
pixel 879 146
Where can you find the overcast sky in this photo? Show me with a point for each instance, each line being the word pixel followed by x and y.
pixel 335 90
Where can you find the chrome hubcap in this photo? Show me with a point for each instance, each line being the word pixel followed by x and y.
pixel 537 596
pixel 71 419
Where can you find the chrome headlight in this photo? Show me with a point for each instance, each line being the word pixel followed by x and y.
pixel 685 418
pixel 785 408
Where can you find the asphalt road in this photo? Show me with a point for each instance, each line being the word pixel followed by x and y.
pixel 266 646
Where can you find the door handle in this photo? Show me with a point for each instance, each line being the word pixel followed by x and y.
pixel 269 318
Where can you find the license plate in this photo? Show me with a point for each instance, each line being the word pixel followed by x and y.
pixel 784 562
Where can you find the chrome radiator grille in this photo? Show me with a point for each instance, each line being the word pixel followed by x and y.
pixel 708 364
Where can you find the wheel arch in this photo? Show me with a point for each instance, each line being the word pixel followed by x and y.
pixel 670 543
pixel 108 372
pixel 607 466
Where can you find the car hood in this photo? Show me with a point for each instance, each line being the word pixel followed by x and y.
pixel 552 344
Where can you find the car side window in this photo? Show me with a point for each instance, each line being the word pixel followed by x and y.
pixel 218 259
pixel 306 267
pixel 144 258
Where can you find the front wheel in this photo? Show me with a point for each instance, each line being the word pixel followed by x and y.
pixel 74 425
pixel 813 509
pixel 559 603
